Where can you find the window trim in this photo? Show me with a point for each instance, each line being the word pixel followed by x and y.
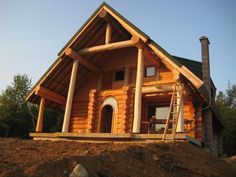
pixel 145 71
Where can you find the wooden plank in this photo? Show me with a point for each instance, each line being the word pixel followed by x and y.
pixel 111 46
pixel 72 54
pixel 181 136
pixel 50 95
pixel 117 136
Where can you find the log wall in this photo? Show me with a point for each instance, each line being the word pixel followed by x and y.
pixel 189 115
pixel 122 119
pixel 80 112
pixel 85 116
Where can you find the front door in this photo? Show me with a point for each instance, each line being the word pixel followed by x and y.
pixel 106 119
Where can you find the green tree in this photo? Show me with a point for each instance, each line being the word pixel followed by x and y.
pixel 15 119
pixel 227 106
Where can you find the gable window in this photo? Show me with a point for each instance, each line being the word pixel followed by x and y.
pixel 150 71
pixel 119 75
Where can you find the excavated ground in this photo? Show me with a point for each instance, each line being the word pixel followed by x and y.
pixel 28 158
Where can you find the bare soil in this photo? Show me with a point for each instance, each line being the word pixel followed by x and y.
pixel 28 158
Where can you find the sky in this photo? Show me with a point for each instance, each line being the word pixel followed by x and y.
pixel 32 32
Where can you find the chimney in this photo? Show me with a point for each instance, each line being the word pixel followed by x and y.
pixel 206 63
pixel 206 113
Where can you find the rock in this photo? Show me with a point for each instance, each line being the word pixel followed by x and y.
pixel 155 157
pixel 79 171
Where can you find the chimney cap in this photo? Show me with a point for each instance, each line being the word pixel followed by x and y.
pixel 204 38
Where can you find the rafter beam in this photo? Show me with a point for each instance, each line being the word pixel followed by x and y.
pixel 72 54
pixel 111 46
pixel 50 95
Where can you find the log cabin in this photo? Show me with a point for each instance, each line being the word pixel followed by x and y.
pixel 113 82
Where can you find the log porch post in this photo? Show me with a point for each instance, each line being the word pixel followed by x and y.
pixel 138 93
pixel 39 126
pixel 70 95
pixel 180 125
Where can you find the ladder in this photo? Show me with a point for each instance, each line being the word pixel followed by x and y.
pixel 174 111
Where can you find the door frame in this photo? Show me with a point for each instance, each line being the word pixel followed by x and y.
pixel 111 101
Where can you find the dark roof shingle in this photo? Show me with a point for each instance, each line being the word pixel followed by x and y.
pixel 194 66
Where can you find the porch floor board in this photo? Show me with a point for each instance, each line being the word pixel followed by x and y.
pixel 110 137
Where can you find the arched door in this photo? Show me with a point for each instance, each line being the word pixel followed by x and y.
pixel 106 119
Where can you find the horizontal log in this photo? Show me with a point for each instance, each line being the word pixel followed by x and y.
pixel 78 129
pixel 78 115
pixel 110 46
pixel 154 89
pixel 78 118
pixel 72 54
pixel 81 126
pixel 80 104
pixel 92 104
pixel 111 92
pixel 80 109
pixel 50 95
pixel 78 123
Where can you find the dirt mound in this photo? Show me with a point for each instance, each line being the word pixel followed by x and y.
pixel 27 158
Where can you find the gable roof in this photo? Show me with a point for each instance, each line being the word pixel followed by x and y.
pixel 193 66
pixel 111 11
pixel 179 64
pixel 146 39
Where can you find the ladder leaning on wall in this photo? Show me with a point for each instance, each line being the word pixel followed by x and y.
pixel 174 111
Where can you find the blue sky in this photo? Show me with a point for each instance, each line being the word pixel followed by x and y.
pixel 33 31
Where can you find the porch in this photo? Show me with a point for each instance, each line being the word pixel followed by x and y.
pixel 111 138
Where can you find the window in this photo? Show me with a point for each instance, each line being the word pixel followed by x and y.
pixel 150 71
pixel 119 75
pixel 160 113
